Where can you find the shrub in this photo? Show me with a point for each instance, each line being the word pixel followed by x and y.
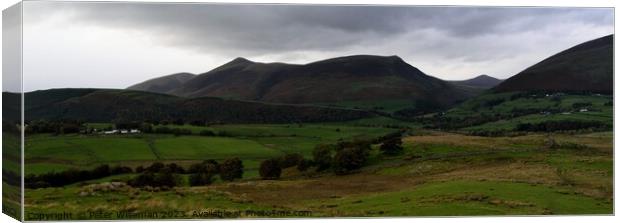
pixel 290 160
pixel 101 171
pixel 270 169
pixel 175 131
pixel 349 159
pixel 57 179
pixel 146 128
pixel 363 144
pixel 231 169
pixel 550 126
pixel 392 146
pixel 322 156
pixel 304 164
pixel 165 178
pixel 203 173
pixel 207 132
pixel 120 170
pixel 155 167
pixel 175 168
pixel 200 179
pixel 207 165
pixel 194 168
pixel 55 127
pixel 68 128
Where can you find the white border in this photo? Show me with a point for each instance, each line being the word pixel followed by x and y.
pixel 578 3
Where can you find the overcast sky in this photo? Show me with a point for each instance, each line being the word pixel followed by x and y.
pixel 114 45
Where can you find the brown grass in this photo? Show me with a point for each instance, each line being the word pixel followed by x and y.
pixel 513 172
pixel 292 192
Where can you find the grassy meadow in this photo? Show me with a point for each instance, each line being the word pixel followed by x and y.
pixel 11 193
pixel 252 143
pixel 439 172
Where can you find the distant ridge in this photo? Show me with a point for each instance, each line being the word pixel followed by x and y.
pixel 341 79
pixel 482 81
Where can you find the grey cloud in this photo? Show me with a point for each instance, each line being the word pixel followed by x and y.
pixel 268 28
pixel 482 38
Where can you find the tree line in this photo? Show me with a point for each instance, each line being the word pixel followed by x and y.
pixel 550 126
pixel 66 177
pixel 155 175
pixel 342 157
pixel 58 127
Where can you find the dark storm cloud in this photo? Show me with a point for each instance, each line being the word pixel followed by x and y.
pixel 258 29
pixel 119 43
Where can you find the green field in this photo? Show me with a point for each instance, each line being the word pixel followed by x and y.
pixel 438 173
pixel 47 153
pixel 11 163
pixel 471 198
pixel 451 175
pixel 192 147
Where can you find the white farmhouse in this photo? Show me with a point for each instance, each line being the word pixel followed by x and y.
pixel 111 132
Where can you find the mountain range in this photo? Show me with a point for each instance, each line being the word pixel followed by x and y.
pixel 342 79
pixel 243 91
pixel 368 78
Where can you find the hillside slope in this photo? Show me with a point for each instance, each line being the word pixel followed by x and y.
pixel 585 67
pixel 163 84
pixel 103 105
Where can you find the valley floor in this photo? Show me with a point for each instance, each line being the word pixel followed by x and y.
pixel 439 174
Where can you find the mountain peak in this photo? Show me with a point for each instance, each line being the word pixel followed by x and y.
pixel 395 57
pixel 361 58
pixel 240 60
pixel 481 81
pixel 484 77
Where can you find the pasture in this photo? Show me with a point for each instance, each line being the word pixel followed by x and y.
pixel 438 174
pixel 252 143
